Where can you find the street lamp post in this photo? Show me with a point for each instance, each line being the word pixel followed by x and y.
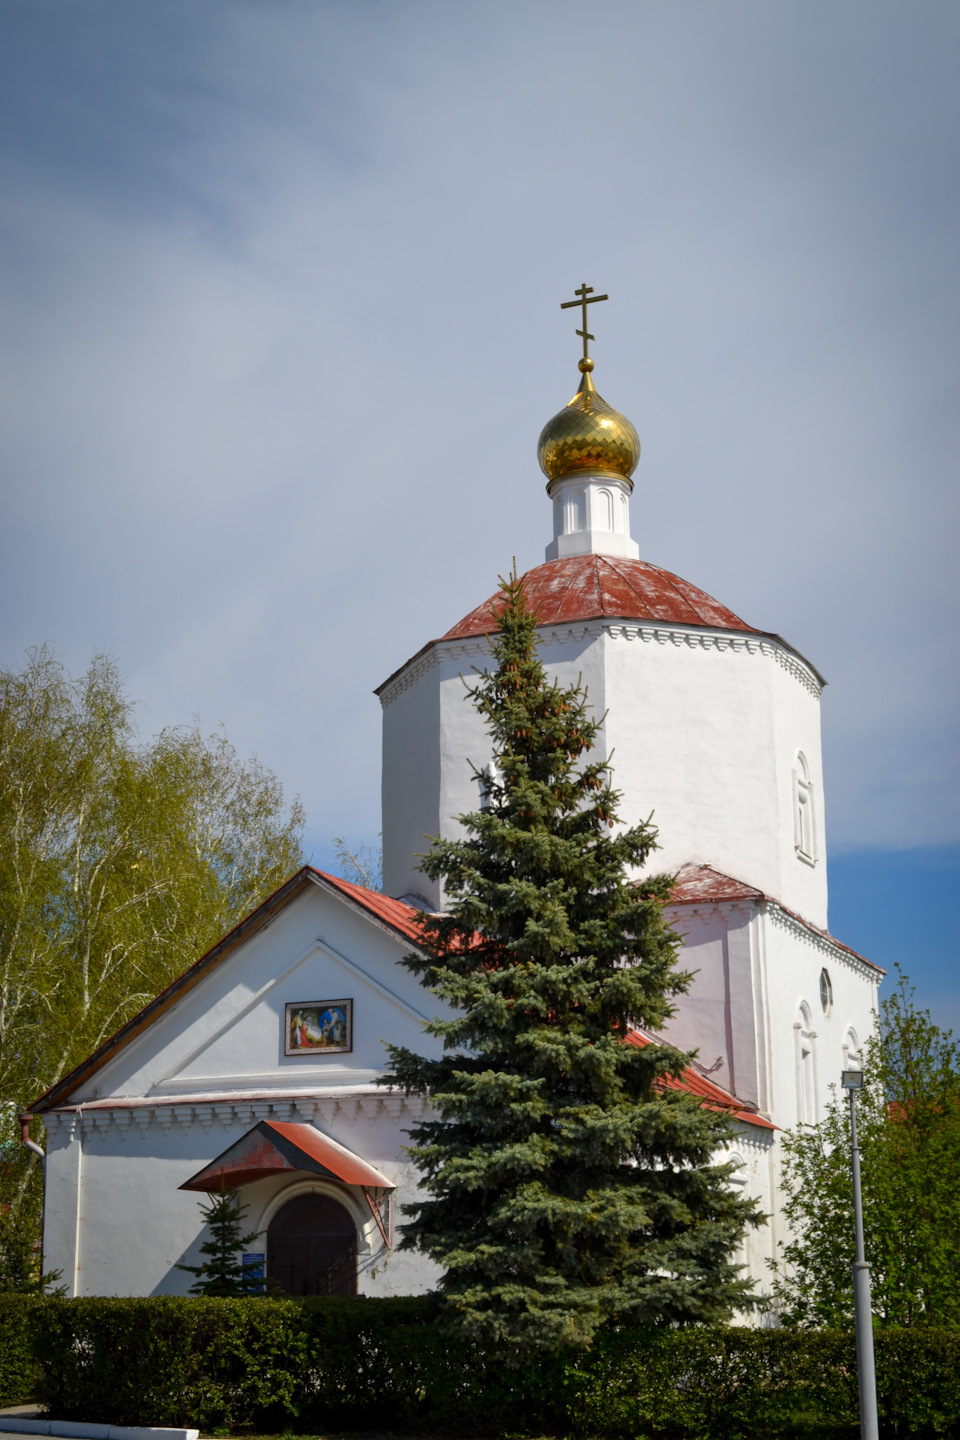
pixel 852 1081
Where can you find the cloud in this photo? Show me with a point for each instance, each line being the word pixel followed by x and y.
pixel 282 291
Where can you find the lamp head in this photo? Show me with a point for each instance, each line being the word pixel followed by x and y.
pixel 851 1079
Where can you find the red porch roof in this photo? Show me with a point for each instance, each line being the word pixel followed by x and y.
pixel 276 1147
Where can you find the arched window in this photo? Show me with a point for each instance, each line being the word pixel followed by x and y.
pixel 804 826
pixel 557 515
pixel 851 1049
pixel 575 512
pixel 826 991
pixel 604 516
pixel 624 514
pixel 738 1175
pixel 806 1075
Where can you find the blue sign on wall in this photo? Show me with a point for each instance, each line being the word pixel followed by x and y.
pixel 253 1269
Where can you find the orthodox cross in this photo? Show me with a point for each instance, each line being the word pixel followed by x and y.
pixel 587 297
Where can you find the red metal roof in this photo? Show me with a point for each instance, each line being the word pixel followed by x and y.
pixel 396 913
pixel 585 587
pixel 276 1147
pixel 698 883
pixel 712 1095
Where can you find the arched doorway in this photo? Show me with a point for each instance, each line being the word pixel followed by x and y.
pixel 312 1247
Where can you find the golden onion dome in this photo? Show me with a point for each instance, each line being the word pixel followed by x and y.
pixel 588 434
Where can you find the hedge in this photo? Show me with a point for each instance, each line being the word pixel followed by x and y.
pixel 18 1374
pixel 314 1365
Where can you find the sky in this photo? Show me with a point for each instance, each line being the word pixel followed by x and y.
pixel 280 288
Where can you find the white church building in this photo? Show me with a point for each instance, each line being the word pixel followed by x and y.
pixel 257 1068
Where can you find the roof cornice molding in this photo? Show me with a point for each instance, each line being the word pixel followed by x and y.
pixel 745 1134
pixel 647 632
pixel 714 893
pixel 820 940
pixel 344 1106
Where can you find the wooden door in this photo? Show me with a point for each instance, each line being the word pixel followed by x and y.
pixel 312 1248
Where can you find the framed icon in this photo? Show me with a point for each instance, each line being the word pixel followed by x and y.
pixel 318 1027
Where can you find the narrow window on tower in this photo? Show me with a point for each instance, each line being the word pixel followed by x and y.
pixel 805 1035
pixel 804 829
pixel 826 992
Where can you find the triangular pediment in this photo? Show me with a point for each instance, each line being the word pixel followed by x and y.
pixel 303 995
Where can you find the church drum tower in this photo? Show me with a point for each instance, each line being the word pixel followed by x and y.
pixel 716 729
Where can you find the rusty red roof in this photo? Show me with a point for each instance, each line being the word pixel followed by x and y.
pixel 274 1147
pixel 395 913
pixel 586 587
pixel 713 1096
pixel 697 883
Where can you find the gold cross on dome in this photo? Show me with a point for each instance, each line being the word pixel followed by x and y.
pixel 587 297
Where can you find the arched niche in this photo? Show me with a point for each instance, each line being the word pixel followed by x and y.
pixel 312 1245
pixel 805 1036
pixel 804 817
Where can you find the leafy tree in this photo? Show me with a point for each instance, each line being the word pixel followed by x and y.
pixel 908 1126
pixel 363 866
pixel 224 1272
pixel 121 861
pixel 565 1183
pixel 20 1200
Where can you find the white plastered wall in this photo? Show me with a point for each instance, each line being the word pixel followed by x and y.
pixel 433 685
pixel 704 728
pixel 720 1016
pixel 794 959
pixel 204 1073
pixel 754 971
pixel 124 1228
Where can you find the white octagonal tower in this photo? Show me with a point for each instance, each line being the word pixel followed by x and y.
pixel 713 725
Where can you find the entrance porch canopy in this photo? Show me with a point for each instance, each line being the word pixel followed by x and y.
pixel 275 1147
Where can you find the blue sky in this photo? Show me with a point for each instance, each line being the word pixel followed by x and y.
pixel 280 289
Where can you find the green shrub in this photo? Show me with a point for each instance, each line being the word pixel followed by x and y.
pixel 18 1371
pixel 171 1361
pixel 315 1365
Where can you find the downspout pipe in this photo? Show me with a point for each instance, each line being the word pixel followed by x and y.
pixel 32 1145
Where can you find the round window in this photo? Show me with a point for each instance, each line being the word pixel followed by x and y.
pixel 826 992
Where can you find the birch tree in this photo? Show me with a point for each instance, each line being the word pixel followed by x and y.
pixel 121 861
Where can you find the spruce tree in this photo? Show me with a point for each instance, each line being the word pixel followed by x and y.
pixel 566 1184
pixel 223 1272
